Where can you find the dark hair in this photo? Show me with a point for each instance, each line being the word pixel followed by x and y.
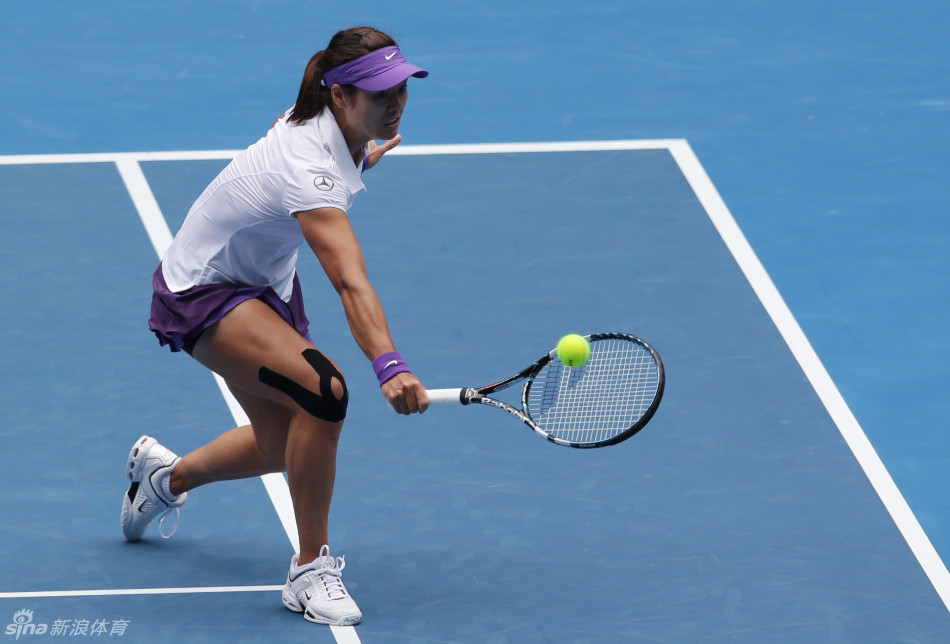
pixel 345 46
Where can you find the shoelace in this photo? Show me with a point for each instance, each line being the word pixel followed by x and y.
pixel 164 492
pixel 332 582
pixel 330 572
pixel 161 522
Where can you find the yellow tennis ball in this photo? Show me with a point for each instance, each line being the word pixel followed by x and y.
pixel 573 350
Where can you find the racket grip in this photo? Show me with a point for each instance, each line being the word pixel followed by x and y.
pixel 441 396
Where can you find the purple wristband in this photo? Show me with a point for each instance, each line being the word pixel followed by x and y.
pixel 388 365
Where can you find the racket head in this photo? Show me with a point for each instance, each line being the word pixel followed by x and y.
pixel 606 400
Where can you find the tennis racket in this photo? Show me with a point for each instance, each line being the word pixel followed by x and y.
pixel 606 400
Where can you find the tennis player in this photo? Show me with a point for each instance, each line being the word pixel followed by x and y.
pixel 227 293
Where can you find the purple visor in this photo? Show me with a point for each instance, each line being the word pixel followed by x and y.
pixel 378 70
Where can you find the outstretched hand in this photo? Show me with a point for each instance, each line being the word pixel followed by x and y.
pixel 376 151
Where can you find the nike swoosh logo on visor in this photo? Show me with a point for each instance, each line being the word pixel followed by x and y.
pixel 389 56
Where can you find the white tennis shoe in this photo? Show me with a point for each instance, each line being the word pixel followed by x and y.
pixel 317 591
pixel 148 466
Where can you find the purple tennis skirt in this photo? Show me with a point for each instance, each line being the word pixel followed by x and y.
pixel 179 318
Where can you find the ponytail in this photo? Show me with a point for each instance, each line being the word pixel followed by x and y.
pixel 345 46
pixel 313 95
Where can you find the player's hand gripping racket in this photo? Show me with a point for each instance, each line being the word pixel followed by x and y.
pixel 606 400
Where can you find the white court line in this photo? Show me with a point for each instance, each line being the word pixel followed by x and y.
pixel 138 591
pixel 819 377
pixel 145 204
pixel 161 237
pixel 158 232
pixel 732 236
pixel 275 483
pixel 402 150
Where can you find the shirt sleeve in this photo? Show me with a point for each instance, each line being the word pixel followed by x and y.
pixel 311 188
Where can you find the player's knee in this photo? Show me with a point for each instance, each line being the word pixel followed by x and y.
pixel 334 401
pixel 338 387
pixel 330 403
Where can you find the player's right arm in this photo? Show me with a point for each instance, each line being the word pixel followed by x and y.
pixel 332 239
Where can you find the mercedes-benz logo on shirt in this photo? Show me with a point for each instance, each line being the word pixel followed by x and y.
pixel 323 182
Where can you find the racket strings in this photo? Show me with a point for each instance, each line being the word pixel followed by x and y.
pixel 605 397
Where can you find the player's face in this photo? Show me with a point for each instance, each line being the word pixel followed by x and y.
pixel 376 115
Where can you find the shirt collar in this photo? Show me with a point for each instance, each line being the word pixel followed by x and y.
pixel 333 138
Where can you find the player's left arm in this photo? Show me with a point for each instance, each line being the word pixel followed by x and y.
pixel 376 151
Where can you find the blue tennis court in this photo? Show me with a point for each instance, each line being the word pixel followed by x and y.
pixel 770 499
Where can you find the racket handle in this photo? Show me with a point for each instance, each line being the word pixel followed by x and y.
pixel 441 396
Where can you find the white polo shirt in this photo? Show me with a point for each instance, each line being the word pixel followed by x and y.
pixel 242 228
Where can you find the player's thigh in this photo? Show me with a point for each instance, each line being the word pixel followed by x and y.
pixel 254 349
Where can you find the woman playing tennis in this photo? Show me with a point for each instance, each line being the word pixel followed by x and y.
pixel 227 293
